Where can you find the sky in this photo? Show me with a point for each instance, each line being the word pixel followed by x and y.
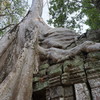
pixel 46 15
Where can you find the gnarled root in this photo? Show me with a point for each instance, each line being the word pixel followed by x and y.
pixel 58 55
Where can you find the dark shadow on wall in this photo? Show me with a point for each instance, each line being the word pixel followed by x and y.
pixel 39 95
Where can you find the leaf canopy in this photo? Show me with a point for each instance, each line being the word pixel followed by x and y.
pixel 11 12
pixel 74 13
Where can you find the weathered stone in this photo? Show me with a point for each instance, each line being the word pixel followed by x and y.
pixel 93 69
pixel 95 88
pixel 94 83
pixel 68 91
pixel 61 78
pixel 36 79
pixel 75 62
pixel 55 81
pixel 43 72
pixel 94 37
pixel 59 98
pixel 95 55
pixel 47 94
pixel 57 91
pixel 73 76
pixel 96 93
pixel 69 98
pixel 65 78
pixel 78 62
pixel 81 92
pixel 40 85
pixel 55 70
pixel 44 66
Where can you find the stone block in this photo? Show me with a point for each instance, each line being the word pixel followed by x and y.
pixel 47 94
pixel 44 66
pixel 57 91
pixel 54 81
pixel 36 79
pixel 43 72
pixel 68 91
pixel 94 55
pixel 39 86
pixel 55 70
pixel 76 62
pixel 69 98
pixel 59 98
pixel 81 92
pixel 67 64
pixel 94 83
pixel 96 93
pixel 65 79
pixel 95 88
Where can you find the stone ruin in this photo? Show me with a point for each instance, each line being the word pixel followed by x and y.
pixel 75 79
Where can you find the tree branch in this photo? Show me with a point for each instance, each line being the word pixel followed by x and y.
pixel 2 15
pixel 36 8
pixel 1 29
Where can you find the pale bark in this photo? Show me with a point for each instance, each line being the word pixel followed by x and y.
pixel 22 47
pixel 59 55
pixel 17 85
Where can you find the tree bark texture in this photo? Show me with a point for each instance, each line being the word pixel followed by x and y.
pixel 30 43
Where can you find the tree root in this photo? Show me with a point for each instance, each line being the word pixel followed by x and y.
pixel 58 55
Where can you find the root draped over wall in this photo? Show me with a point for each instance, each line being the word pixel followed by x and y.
pixel 27 45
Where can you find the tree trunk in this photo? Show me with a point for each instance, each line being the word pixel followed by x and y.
pixel 30 43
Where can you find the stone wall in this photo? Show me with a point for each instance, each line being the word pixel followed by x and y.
pixel 75 79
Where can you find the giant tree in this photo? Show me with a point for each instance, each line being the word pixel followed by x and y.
pixel 27 45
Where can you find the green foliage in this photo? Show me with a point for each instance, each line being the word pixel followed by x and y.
pixel 92 13
pixel 11 12
pixel 71 14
